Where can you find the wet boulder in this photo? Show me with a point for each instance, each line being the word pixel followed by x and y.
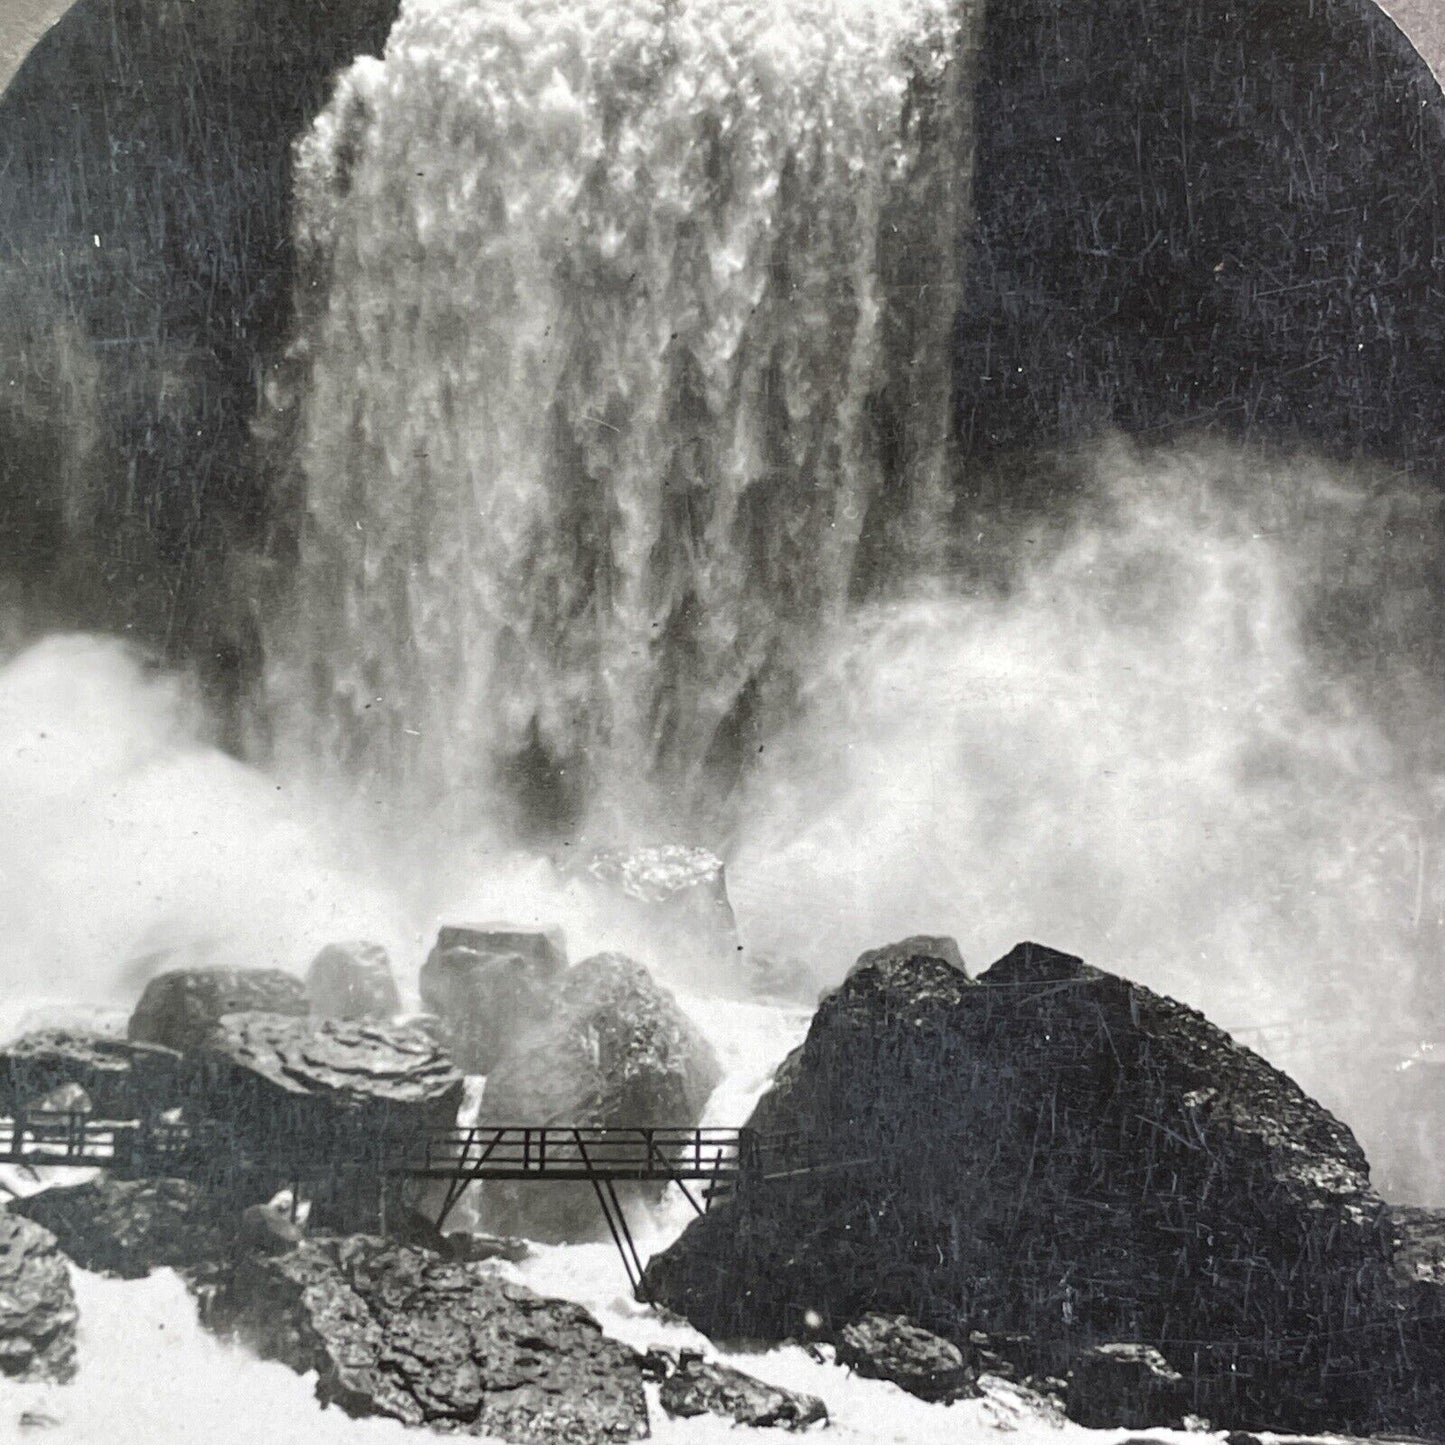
pixel 893 1347
pixel 1418 1237
pixel 487 983
pixel 617 1050
pixel 341 1100
pixel 1059 1155
pixel 400 1333
pixel 119 1078
pixel 779 978
pixel 180 1008
pixel 128 1227
pixel 917 945
pixel 352 981
pixel 1125 1386
pixel 694 1386
pixel 675 897
pixel 37 1307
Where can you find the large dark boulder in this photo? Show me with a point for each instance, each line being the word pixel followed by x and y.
pixel 401 1333
pixel 488 984
pixel 337 1103
pixel 179 1008
pixel 37 1307
pixel 616 1050
pixel 675 896
pixel 352 981
pixel 128 1227
pixel 1058 1154
pixel 147 271
pixel 121 1079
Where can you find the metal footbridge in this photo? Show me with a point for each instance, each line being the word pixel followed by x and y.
pixel 713 1159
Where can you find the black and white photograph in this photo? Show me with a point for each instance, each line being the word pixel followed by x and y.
pixel 722 720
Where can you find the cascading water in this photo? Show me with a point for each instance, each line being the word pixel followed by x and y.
pixel 624 364
pixel 619 410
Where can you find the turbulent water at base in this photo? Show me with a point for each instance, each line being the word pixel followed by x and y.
pixel 623 364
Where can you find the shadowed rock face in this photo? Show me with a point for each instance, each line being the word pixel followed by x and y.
pixel 616 1050
pixel 145 275
pixel 489 985
pixel 1058 1153
pixel 339 1101
pixel 179 1009
pixel 397 1332
pixel 128 1227
pixel 1195 214
pixel 121 1079
pixel 37 1308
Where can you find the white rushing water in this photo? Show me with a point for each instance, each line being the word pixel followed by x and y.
pixel 627 316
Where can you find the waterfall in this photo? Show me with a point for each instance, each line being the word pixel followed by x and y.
pixel 623 364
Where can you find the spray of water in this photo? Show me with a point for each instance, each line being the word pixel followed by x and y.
pixel 1175 746
pixel 130 843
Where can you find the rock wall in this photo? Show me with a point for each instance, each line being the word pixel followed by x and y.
pixel 1186 215
pixel 1199 215
pixel 145 288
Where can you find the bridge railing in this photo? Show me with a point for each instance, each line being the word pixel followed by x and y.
pixel 52 1136
pixel 716 1156
pixel 521 1151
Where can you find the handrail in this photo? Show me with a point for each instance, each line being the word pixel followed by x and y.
pixel 470 1152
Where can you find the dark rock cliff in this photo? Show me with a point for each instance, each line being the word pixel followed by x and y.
pixel 1187 214
pixel 145 287
pixel 1199 214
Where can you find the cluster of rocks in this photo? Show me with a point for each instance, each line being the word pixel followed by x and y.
pixel 1046 1179
pixel 319 1085
pixel 1087 1182
pixel 391 1329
